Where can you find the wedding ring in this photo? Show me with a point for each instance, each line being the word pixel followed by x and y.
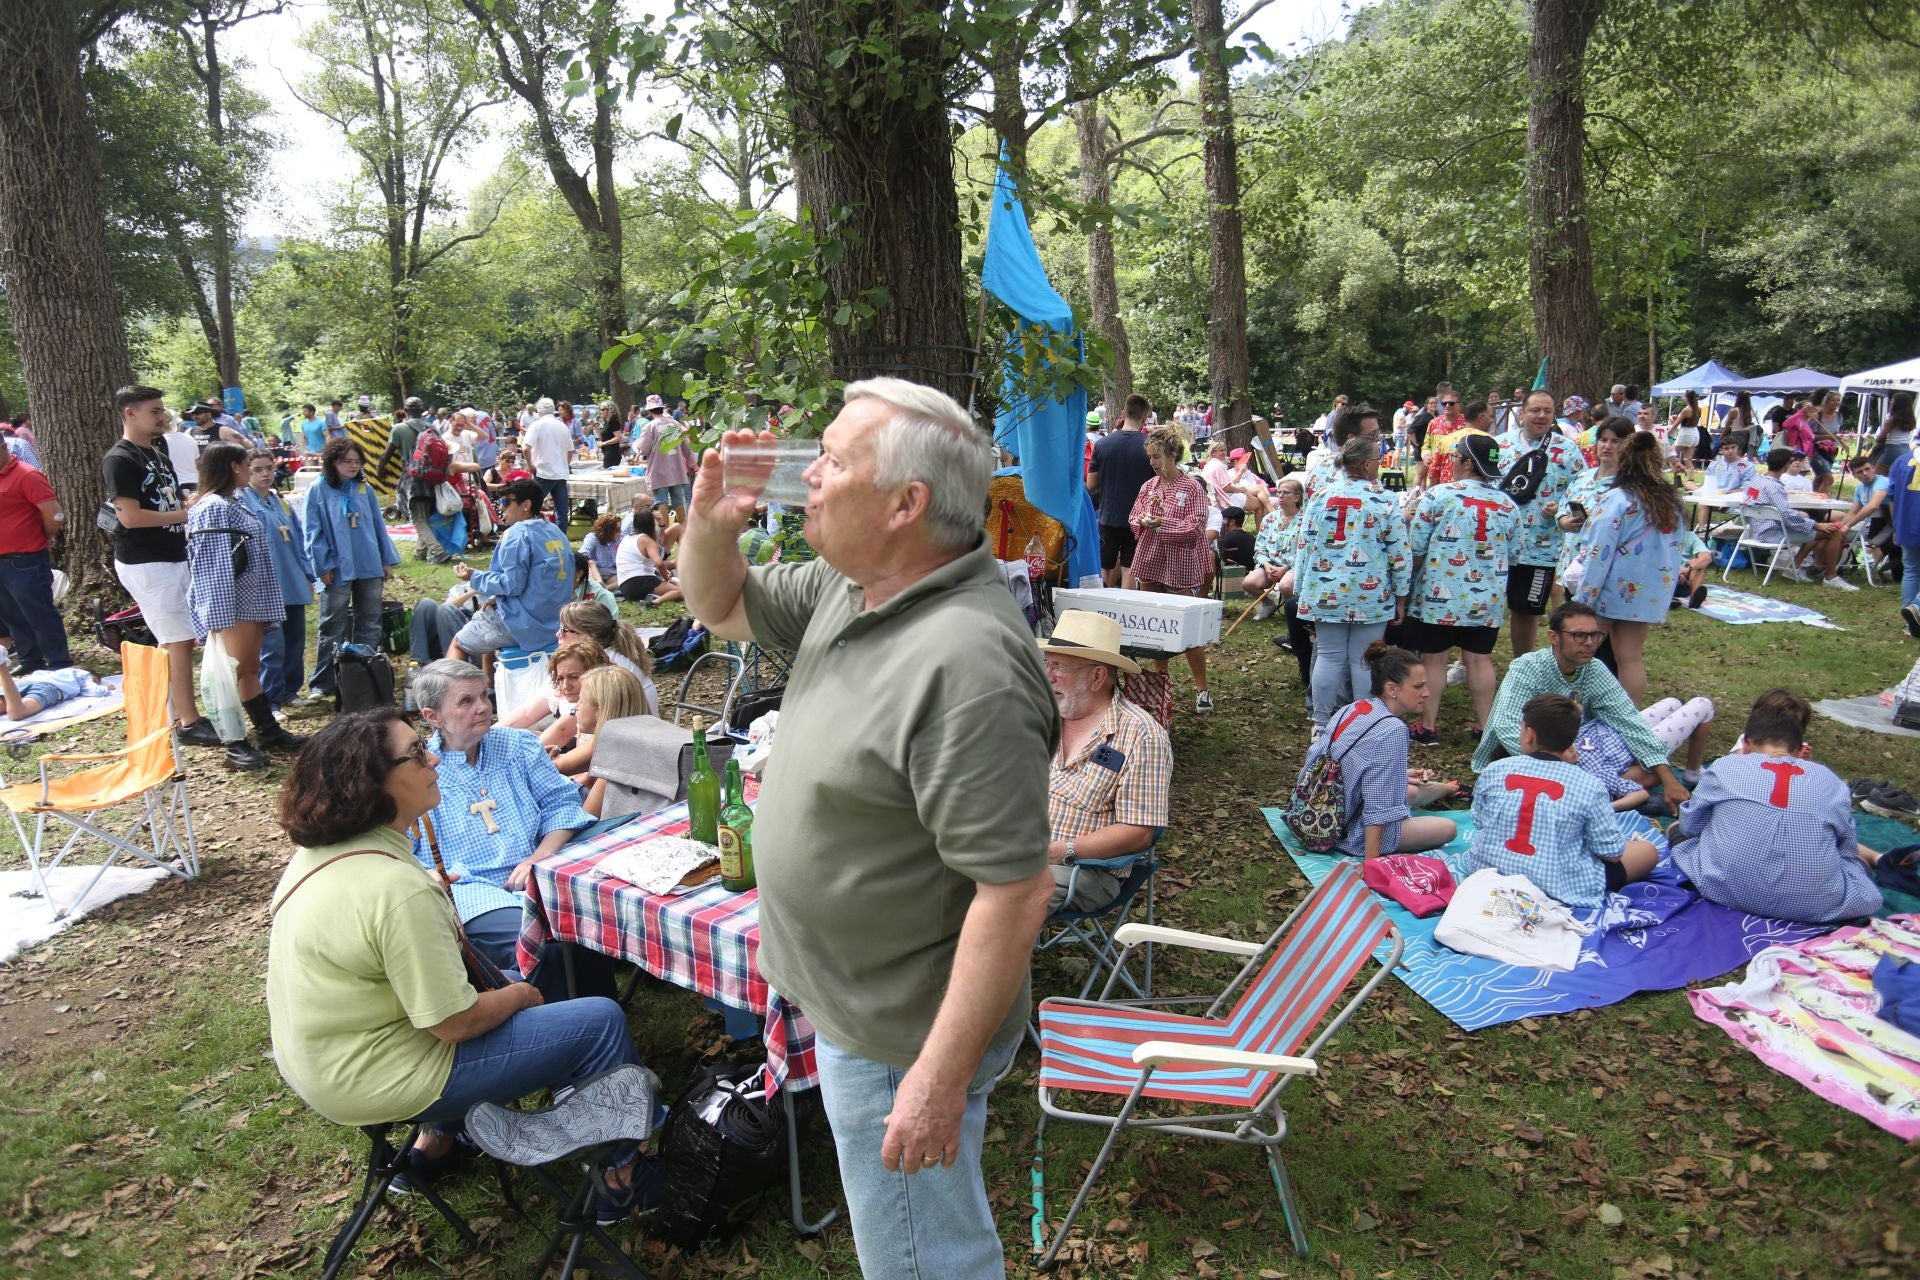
pixel 929 1160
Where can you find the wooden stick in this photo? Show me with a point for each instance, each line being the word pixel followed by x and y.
pixel 1243 615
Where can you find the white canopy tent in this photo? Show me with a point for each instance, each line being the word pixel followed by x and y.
pixel 1874 386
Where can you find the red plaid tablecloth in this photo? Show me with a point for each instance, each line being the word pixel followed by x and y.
pixel 707 940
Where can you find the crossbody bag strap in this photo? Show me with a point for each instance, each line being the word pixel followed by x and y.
pixel 1357 741
pixel 351 853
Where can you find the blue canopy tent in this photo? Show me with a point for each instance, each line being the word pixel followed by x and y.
pixel 1700 379
pixel 1782 383
pixel 1049 436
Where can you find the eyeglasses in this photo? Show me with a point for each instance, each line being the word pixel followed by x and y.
pixel 1582 637
pixel 416 753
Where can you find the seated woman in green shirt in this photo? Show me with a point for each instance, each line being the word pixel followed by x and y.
pixel 372 1016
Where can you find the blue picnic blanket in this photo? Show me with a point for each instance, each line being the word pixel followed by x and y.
pixel 1653 936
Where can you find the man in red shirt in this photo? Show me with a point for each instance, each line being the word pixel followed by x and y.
pixel 29 517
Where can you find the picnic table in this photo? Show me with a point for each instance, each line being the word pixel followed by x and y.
pixel 705 939
pixel 613 490
pixel 1715 500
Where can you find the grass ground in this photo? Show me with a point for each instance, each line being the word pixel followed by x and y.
pixel 145 1133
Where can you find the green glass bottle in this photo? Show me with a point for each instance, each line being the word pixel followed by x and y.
pixel 736 836
pixel 703 795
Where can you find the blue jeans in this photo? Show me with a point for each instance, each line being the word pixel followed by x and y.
pixel 545 1047
pixel 1339 668
pixel 283 657
pixel 496 935
pixel 434 627
pixel 934 1224
pixel 557 490
pixel 349 611
pixel 1909 575
pixel 28 613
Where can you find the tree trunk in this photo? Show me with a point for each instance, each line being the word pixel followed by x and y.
pixel 1103 282
pixel 886 166
pixel 1653 347
pixel 53 255
pixel 1566 312
pixel 226 354
pixel 1227 362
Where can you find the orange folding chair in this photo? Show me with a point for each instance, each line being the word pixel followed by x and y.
pixel 143 773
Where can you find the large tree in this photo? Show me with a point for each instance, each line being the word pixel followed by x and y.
pixel 1566 311
pixel 533 43
pixel 1226 242
pixel 53 254
pixel 402 80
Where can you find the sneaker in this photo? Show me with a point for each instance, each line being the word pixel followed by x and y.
pixel 244 757
pixel 1839 583
pixel 1425 735
pixel 1891 802
pixel 1265 609
pixel 1203 702
pixel 1285 645
pixel 1457 673
pixel 1691 777
pixel 1792 573
pixel 1698 598
pixel 1910 614
pixel 200 733
pixel 421 1170
pixel 1862 788
pixel 611 1207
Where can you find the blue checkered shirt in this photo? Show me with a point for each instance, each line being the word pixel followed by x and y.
pixel 531 801
pixel 1554 830
pixel 1774 836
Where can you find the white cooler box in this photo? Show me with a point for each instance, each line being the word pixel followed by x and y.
pixel 1148 620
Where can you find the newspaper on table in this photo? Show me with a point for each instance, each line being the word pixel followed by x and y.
pixel 663 864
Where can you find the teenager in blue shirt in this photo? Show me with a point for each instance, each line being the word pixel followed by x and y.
pixel 530 578
pixel 283 655
pixel 1542 816
pixel 351 554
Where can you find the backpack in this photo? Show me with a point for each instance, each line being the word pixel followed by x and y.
pixel 1524 478
pixel 1317 811
pixel 363 679
pixel 432 460
pixel 678 645
pixel 723 1148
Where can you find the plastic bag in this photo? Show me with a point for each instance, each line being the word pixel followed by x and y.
pixel 220 691
pixel 447 500
pixel 724 1148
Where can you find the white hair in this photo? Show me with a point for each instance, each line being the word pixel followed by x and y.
pixel 930 438
pixel 432 683
pixel 543 405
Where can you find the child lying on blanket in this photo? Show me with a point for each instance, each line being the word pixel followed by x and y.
pixel 40 690
pixel 1770 832
pixel 1540 815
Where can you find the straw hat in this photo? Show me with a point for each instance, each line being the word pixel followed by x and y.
pixel 1094 636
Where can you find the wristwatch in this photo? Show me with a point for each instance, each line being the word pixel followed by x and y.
pixel 1071 857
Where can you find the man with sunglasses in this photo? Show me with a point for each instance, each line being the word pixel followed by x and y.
pixel 1436 450
pixel 1566 667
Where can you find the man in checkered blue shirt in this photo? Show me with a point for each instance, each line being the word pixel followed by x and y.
pixel 1540 815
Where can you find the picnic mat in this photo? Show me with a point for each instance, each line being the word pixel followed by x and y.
pixel 1807 1011
pixel 28 922
pixel 1740 608
pixel 71 712
pixel 1865 712
pixel 1653 936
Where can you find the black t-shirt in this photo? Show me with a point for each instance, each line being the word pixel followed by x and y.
pixel 610 449
pixel 146 475
pixel 1120 460
pixel 1417 429
pixel 1236 547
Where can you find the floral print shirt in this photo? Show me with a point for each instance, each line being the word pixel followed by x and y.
pixel 1350 560
pixel 1273 545
pixel 1540 537
pixel 1462 537
pixel 1626 565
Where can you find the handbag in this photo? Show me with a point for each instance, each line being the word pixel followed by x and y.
pixel 237 540
pixel 481 972
pixel 447 500
pixel 1317 813
pixel 723 1148
pixel 106 519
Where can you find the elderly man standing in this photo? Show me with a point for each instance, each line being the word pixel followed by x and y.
pixel 503 806
pixel 549 446
pixel 1107 792
pixel 902 830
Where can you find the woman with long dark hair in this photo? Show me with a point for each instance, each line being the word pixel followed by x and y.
pixel 1629 558
pixel 1738 424
pixel 348 544
pixel 1895 438
pixel 233 593
pixel 373 1018
pixel 1687 436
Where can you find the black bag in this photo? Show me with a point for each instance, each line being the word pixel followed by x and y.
pixel 237 540
pixel 364 679
pixel 107 519
pixel 679 645
pixel 1523 479
pixel 723 1148
pixel 749 707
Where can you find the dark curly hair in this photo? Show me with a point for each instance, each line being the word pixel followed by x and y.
pixel 337 787
pixel 330 459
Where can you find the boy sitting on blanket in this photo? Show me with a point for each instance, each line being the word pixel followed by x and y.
pixel 1540 815
pixel 1770 832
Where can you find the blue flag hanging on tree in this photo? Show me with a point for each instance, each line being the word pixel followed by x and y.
pixel 1049 436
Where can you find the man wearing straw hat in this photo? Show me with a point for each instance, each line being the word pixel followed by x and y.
pixel 1107 792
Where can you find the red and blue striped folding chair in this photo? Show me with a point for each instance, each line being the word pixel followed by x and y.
pixel 1255 1037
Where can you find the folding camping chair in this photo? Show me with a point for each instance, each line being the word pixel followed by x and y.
pixel 1092 931
pixel 1777 545
pixel 1240 1054
pixel 143 773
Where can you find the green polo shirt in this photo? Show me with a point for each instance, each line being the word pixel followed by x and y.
pixel 910 764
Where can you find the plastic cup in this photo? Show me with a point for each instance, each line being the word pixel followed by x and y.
pixel 770 471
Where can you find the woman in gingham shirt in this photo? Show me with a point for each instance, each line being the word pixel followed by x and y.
pixel 239 608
